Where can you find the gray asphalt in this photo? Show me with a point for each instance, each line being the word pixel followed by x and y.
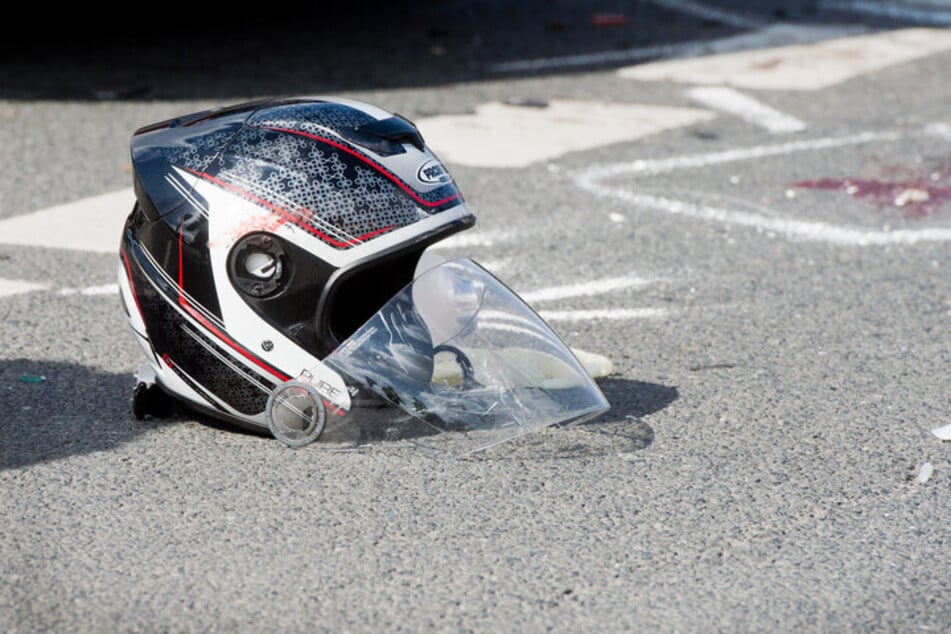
pixel 758 470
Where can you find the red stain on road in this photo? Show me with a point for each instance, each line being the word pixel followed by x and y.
pixel 917 196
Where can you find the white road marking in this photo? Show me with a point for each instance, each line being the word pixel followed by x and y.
pixel 591 181
pixel 90 224
pixel 775 35
pixel 585 289
pixel 604 314
pixel 590 59
pixel 503 135
pixel 105 289
pixel 16 287
pixel 940 130
pixel 713 14
pixel 801 66
pixel 920 13
pixel 746 108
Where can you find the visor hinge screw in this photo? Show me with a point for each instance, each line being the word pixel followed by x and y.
pixel 267 345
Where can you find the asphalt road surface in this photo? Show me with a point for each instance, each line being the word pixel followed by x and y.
pixel 745 206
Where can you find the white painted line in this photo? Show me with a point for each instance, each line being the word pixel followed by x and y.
pixel 713 14
pixel 776 35
pixel 746 108
pixel 91 224
pixel 585 289
pixel 801 66
pixel 16 287
pixel 106 289
pixel 651 167
pixel 606 314
pixel 589 59
pixel 920 14
pixel 503 135
pixel 940 130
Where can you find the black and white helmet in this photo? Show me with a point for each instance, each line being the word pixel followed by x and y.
pixel 263 236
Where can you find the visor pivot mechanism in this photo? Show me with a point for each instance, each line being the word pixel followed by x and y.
pixel 295 413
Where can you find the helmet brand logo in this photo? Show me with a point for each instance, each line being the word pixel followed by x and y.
pixel 328 390
pixel 432 172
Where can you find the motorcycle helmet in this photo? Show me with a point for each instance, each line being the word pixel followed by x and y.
pixel 274 271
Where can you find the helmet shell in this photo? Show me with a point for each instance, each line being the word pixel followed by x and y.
pixel 265 233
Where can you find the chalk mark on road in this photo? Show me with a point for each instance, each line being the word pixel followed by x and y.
pixel 585 289
pixel 605 314
pixel 592 181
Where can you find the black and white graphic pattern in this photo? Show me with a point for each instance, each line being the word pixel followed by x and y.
pixel 335 193
pixel 317 181
pixel 314 118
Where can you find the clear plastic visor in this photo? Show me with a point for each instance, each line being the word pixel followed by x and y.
pixel 469 362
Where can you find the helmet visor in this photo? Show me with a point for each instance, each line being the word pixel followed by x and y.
pixel 468 360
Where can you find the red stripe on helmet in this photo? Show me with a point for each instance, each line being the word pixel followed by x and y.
pixel 191 310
